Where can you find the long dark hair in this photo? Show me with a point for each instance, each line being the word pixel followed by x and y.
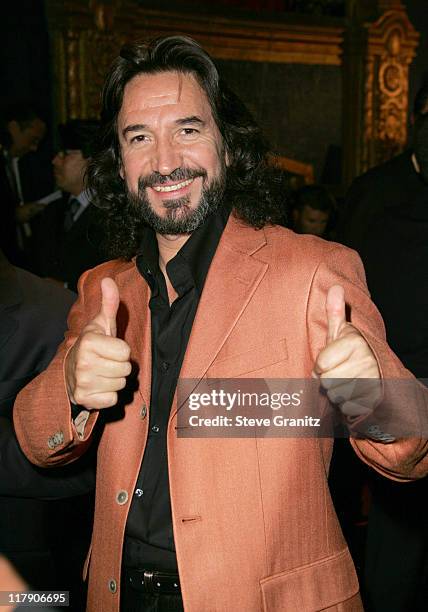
pixel 252 184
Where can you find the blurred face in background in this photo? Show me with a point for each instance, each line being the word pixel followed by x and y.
pixel 25 138
pixel 69 170
pixel 308 220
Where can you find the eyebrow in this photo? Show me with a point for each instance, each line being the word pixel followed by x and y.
pixel 137 127
pixel 194 119
pixel 134 128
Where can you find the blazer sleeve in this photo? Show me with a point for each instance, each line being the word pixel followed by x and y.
pixel 405 400
pixel 42 411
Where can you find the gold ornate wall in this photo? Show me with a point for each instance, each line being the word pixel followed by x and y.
pixel 374 45
pixel 376 73
pixel 87 35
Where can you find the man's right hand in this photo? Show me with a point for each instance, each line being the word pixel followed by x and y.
pixel 98 364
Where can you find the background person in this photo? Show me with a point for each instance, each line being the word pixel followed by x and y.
pixel 35 533
pixel 392 199
pixel 66 236
pixel 313 210
pixel 21 131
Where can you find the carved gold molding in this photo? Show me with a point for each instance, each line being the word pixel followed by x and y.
pixel 306 171
pixel 104 12
pixel 88 34
pixel 251 40
pixel 392 42
pixel 376 65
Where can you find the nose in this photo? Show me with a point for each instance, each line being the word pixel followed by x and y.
pixel 167 157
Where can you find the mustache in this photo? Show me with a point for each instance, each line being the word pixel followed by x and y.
pixel 179 174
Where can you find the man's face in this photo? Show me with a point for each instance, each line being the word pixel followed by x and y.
pixel 308 220
pixel 26 139
pixel 172 158
pixel 69 170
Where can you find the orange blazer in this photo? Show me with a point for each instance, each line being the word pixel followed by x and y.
pixel 254 525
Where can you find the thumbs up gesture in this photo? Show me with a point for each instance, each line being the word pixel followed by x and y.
pixel 347 367
pixel 98 364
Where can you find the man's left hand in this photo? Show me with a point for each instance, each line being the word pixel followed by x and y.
pixel 347 367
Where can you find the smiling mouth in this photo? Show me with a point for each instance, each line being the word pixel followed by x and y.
pixel 176 187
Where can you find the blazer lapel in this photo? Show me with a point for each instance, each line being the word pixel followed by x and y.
pixel 79 227
pixel 233 277
pixel 134 326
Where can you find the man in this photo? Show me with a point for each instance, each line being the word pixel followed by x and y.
pixel 21 132
pixel 313 208
pixel 229 524
pixel 33 316
pixel 66 239
pixel 394 183
pixel 394 250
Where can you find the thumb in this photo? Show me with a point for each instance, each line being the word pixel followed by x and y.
pixel 109 305
pixel 335 307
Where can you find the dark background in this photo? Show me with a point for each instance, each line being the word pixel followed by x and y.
pixel 25 75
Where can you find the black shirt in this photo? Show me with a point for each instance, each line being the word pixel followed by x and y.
pixel 149 540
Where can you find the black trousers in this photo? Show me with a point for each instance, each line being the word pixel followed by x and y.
pixel 396 576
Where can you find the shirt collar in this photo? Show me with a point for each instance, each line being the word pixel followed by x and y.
pixel 190 265
pixel 83 199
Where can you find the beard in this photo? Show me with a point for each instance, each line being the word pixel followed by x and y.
pixel 180 217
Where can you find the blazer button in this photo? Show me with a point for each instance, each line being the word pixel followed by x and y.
pixel 112 586
pixel 143 411
pixel 122 497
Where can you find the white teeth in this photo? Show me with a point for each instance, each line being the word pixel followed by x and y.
pixel 173 187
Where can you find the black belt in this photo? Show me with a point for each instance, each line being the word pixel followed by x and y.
pixel 152 581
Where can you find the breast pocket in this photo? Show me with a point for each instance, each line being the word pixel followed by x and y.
pixel 256 359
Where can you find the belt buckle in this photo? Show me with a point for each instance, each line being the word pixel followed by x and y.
pixel 158 582
pixel 148 581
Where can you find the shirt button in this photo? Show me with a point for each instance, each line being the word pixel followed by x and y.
pixel 112 586
pixel 165 366
pixel 122 498
pixel 143 411
pixel 155 429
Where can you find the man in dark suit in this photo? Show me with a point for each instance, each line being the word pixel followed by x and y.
pixel 66 237
pixel 34 532
pixel 386 221
pixel 21 130
pixel 393 184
